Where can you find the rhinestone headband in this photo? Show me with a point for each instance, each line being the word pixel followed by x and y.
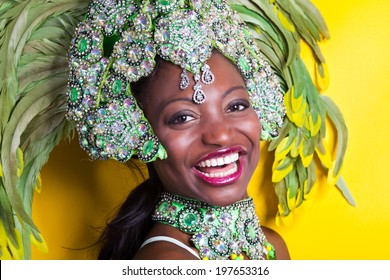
pixel 117 44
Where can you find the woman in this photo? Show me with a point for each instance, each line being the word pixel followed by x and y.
pixel 125 59
pixel 224 126
pixel 160 82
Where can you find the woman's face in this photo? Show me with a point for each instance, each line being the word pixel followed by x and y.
pixel 213 147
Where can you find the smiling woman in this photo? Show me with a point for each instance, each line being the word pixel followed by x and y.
pixel 207 127
pixel 187 87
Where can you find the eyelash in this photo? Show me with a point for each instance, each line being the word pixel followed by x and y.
pixel 182 117
pixel 238 103
pixel 179 118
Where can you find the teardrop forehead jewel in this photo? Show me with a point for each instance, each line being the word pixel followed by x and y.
pixel 117 44
pixel 192 46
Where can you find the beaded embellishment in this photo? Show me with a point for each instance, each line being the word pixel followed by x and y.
pixel 116 45
pixel 219 233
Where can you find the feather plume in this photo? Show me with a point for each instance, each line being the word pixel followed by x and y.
pixel 34 40
pixel 301 139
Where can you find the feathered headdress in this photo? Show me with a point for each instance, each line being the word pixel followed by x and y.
pixel 34 40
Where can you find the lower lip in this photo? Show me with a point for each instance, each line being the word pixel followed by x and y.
pixel 222 181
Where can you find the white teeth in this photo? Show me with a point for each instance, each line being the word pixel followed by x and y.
pixel 219 161
pixel 222 174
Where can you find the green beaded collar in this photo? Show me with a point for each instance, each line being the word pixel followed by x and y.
pixel 217 232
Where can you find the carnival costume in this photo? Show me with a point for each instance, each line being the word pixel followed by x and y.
pixel 114 46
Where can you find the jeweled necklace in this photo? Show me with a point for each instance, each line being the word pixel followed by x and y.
pixel 217 232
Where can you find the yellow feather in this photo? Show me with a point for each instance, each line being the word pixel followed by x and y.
pixel 38 186
pixel 285 22
pixel 278 174
pixel 20 162
pixel 291 201
pixel 322 77
pixel 311 126
pixel 306 159
pixel 41 245
pixel 333 178
pixel 324 155
pixel 282 149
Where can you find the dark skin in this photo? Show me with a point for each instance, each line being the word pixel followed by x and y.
pixel 191 132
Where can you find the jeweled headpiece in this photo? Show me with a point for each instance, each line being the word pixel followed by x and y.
pixel 117 44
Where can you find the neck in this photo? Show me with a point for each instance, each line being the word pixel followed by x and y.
pixel 226 232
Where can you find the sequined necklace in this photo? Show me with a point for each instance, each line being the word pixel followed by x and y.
pixel 217 232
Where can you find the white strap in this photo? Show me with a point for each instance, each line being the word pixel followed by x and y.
pixel 169 239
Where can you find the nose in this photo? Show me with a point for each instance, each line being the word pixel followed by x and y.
pixel 217 132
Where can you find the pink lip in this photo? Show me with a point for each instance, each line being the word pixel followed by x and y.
pixel 223 181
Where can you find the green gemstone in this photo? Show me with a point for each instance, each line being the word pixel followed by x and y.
pixel 117 86
pixel 148 147
pixel 244 64
pixel 251 232
pixel 190 219
pixel 163 207
pixel 74 94
pixel 82 45
pixel 164 2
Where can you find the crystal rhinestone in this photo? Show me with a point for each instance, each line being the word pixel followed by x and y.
pixel 110 149
pixel 100 128
pixel 219 246
pixel 132 73
pixel 142 129
pixel 147 66
pixel 148 147
pixel 190 219
pixel 113 107
pixel 149 50
pixel 128 102
pixel 223 232
pixel 96 54
pixel 120 49
pixel 226 218
pixel 201 239
pixel 131 9
pixel 207 253
pixel 74 94
pixel 199 96
pixel 210 216
pixel 234 246
pixel 134 54
pixel 123 153
pixel 100 143
pixel 142 21
pixel 136 116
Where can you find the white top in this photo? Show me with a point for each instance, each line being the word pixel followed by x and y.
pixel 172 240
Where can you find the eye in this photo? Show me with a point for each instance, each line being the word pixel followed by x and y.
pixel 238 105
pixel 180 118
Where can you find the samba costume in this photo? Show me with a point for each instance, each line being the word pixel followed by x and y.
pixel 116 45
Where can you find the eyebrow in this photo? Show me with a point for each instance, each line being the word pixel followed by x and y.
pixel 188 99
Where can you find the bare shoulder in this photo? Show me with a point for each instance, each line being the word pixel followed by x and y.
pixel 162 250
pixel 277 241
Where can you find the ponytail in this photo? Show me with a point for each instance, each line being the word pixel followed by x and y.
pixel 124 235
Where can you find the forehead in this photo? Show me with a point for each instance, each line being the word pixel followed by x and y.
pixel 165 84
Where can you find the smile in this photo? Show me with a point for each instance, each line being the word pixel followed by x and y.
pixel 220 168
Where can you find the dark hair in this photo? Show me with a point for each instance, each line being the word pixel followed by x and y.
pixel 123 236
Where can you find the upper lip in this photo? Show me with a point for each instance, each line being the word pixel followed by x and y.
pixel 221 153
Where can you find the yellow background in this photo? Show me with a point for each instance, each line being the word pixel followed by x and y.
pixel 78 195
